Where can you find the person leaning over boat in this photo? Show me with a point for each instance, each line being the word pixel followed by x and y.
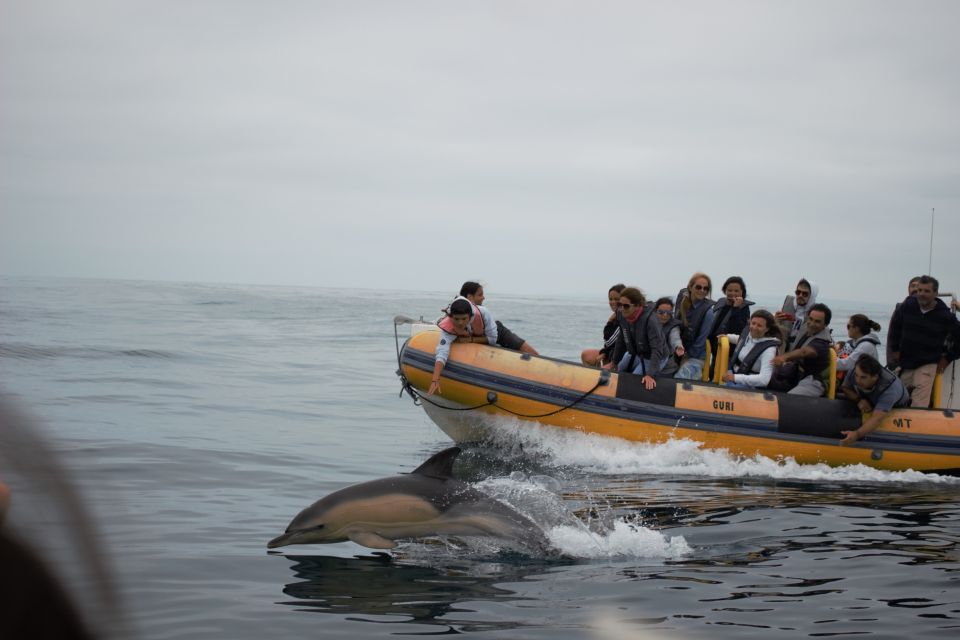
pixel 670 326
pixel 877 391
pixel 892 363
pixel 802 369
pixel 596 357
pixel 791 321
pixel 863 341
pixel 640 349
pixel 919 337
pixel 695 309
pixel 473 291
pixel 731 313
pixel 462 323
pixel 751 365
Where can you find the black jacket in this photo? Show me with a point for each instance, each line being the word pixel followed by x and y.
pixel 922 338
pixel 642 339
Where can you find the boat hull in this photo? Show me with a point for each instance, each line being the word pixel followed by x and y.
pixel 482 384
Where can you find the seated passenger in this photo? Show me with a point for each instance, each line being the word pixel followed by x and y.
pixel 462 323
pixel 802 370
pixel 473 291
pixel 863 341
pixel 596 357
pixel 696 317
pixel 751 365
pixel 670 326
pixel 876 390
pixel 731 313
pixel 794 312
pixel 640 348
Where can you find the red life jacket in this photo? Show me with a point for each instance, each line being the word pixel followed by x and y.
pixel 474 327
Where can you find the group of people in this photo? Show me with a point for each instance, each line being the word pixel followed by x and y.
pixel 785 351
pixel 788 350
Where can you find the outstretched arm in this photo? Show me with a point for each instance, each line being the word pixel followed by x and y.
pixel 869 426
pixel 435 382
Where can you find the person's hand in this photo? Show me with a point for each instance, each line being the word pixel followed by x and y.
pixel 864 406
pixel 955 304
pixel 779 361
pixel 942 365
pixel 680 351
pixel 728 376
pixel 850 437
pixel 838 346
pixel 738 302
pixel 608 366
pixel 434 387
pixel 784 317
pixel 649 383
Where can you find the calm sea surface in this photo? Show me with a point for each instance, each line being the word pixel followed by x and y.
pixel 196 420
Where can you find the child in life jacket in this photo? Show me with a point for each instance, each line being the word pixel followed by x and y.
pixel 462 323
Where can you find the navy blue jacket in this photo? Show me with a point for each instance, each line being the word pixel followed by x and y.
pixel 921 338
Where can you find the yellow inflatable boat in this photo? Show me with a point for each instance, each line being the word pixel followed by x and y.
pixel 480 381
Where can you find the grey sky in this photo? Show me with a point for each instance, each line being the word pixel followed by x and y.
pixel 544 147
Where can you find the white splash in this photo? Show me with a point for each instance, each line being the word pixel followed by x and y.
pixel 625 541
pixel 614 456
pixel 537 497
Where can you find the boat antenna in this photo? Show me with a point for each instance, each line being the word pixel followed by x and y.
pixel 933 212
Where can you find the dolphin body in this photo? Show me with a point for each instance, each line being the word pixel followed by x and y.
pixel 426 502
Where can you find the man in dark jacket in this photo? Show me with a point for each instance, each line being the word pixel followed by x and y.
pixel 892 363
pixel 924 337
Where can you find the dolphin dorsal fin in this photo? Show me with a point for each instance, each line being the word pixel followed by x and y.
pixel 440 465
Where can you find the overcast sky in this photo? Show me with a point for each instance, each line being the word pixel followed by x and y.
pixel 543 147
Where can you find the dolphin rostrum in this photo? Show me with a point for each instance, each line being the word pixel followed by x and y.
pixel 427 502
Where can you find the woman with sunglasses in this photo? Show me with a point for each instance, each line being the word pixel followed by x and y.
pixel 864 340
pixel 640 348
pixel 670 326
pixel 696 319
pixel 596 357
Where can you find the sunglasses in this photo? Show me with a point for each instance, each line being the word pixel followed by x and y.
pixel 626 305
pixel 664 312
pixel 700 287
pixel 801 292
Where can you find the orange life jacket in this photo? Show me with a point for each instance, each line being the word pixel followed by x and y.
pixel 475 326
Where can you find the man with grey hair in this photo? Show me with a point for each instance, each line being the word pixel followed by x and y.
pixel 919 339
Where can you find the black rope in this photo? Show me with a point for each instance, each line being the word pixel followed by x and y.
pixel 492 399
pixel 419 397
pixel 602 380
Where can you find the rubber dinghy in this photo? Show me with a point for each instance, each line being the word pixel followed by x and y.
pixel 481 382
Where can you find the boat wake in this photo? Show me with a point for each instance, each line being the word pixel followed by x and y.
pixel 538 497
pixel 613 456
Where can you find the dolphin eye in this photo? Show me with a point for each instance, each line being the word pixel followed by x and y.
pixel 319 526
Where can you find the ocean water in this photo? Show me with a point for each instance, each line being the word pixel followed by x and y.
pixel 194 421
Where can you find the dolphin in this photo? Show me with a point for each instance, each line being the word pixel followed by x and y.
pixel 426 502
